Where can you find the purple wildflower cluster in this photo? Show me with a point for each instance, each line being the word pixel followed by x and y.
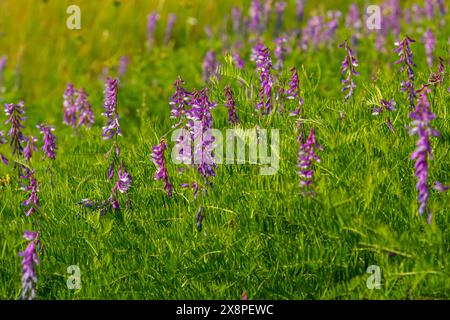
pixel 15 112
pixel 160 162
pixel 32 188
pixel 112 128
pixel 437 78
pixel 30 148
pixel 49 147
pixel 406 59
pixel 210 65
pixel 231 106
pixel 430 43
pixel 179 101
pixel 170 24
pixel 30 259
pixel 3 141
pixel 280 52
pixel 77 109
pixel 422 117
pixel 307 155
pixel 264 65
pixel 152 20
pixel 348 67
pixel 293 93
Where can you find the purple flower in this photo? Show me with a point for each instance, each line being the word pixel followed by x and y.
pixel 124 61
pixel 441 6
pixel 125 179
pixel 348 67
pixel 422 117
pixel 279 8
pixel 236 15
pixel 152 19
pixel 279 52
pixel 70 110
pixel 384 105
pixel 293 93
pixel 30 147
pixel 82 104
pixel 112 127
pixel 404 51
pixel 200 125
pixel 331 26
pixel 264 65
pixel 30 259
pixel 389 124
pixel 49 147
pixel 199 219
pixel 352 19
pixel 231 106
pixel 32 188
pixel 160 162
pixel 15 112
pixel 437 78
pixel 210 65
pixel 238 62
pixel 438 186
pixel 430 43
pixel 429 8
pixel 300 10
pixel 3 141
pixel 180 99
pixel 256 16
pixel 170 24
pixel 307 155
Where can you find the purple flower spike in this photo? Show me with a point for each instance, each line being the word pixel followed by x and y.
pixel 384 105
pixel 170 24
pixel 151 25
pixel 430 43
pixel 307 155
pixel 70 110
pixel 3 141
pixel 199 219
pixel 293 93
pixel 112 127
pixel 256 16
pixel 30 259
pixel 264 65
pixel 406 59
pixel 348 67
pixel 210 65
pixel 300 10
pixel 49 147
pixel 160 162
pixel 30 148
pixel 437 78
pixel 124 61
pixel 231 106
pixel 15 112
pixel 238 62
pixel 439 187
pixel 279 8
pixel 85 109
pixel 179 100
pixel 280 52
pixel 125 179
pixel 32 188
pixel 236 15
pixel 422 116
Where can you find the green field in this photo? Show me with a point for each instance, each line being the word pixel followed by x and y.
pixel 260 234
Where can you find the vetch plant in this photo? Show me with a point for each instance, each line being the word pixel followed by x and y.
pixel 31 188
pixel 348 67
pixel 231 106
pixel 293 93
pixel 160 162
pixel 15 112
pixel 406 59
pixel 29 262
pixel 3 141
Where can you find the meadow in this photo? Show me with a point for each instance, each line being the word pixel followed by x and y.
pixel 262 236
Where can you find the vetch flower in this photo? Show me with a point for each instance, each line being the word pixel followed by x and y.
pixel 293 93
pixel 210 65
pixel 3 141
pixel 112 128
pixel 160 162
pixel 384 105
pixel 280 52
pixel 300 10
pixel 236 15
pixel 32 188
pixel 279 8
pixel 82 104
pixel 264 65
pixel 430 43
pixel 438 186
pixel 307 155
pixel 15 112
pixel 406 59
pixel 348 67
pixel 238 62
pixel 152 19
pixel 231 106
pixel 422 117
pixel 199 219
pixel 170 24
pixel 30 259
pixel 437 78
pixel 124 61
pixel 30 147
pixel 256 16
pixel 49 147
pixel 179 100
pixel 70 110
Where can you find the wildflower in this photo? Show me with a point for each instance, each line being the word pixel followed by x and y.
pixel 238 62
pixel 300 10
pixel 85 109
pixel 200 125
pixel 438 186
pixel 112 127
pixel 179 100
pixel 32 188
pixel 430 43
pixel 199 219
pixel 15 112
pixel 438 77
pixel 170 24
pixel 231 106
pixel 3 141
pixel 152 19
pixel 280 7
pixel 279 52
pixel 70 111
pixel 331 26
pixel 255 16
pixel 30 259
pixel 422 116
pixel 293 91
pixel 210 65
pixel 389 124
pixel 236 14
pixel 384 105
pixel 264 65
pixel 94 205
pixel 429 8
pixel 30 147
pixel 123 65
pixel 348 66
pixel 160 162
pixel 306 156
pixel 125 179
pixel 49 147
pixel 404 51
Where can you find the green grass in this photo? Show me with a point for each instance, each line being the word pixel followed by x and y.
pixel 262 236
